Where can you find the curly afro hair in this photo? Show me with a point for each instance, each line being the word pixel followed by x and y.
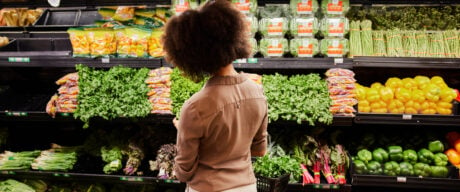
pixel 200 42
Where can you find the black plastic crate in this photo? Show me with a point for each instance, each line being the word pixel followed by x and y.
pixel 68 17
pixel 266 184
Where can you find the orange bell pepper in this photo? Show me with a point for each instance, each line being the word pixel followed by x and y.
pixel 457 145
pixel 453 156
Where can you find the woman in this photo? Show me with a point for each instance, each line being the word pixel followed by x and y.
pixel 225 123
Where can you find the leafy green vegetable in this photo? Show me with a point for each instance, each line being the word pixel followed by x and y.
pixel 118 92
pixel 12 185
pixel 333 8
pixel 52 160
pixel 367 44
pixel 305 47
pixel 334 47
pixel 303 7
pixel 355 39
pixel 182 89
pixel 299 98
pixel 17 160
pixel 380 48
pixel 277 166
pixel 273 47
pixel 112 157
pixel 274 27
pixel 304 27
pixel 334 27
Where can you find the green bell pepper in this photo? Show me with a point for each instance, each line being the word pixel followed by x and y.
pixel 422 169
pixel 425 156
pixel 364 155
pixel 360 167
pixel 440 159
pixel 439 171
pixel 410 156
pixel 391 168
pixel 374 168
pixel 395 152
pixel 436 146
pixel 406 169
pixel 380 155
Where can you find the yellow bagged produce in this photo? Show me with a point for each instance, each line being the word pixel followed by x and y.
pixel 80 41
pixel 102 42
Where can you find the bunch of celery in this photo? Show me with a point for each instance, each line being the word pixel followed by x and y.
pixel 56 159
pixel 19 160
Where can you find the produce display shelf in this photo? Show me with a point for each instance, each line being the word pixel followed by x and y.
pixel 405 2
pixel 405 182
pixel 52 175
pixel 406 62
pixel 64 59
pixel 292 63
pixel 78 3
pixel 407 119
pixel 318 187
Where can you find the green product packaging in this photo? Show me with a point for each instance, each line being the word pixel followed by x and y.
pixel 304 47
pixel 273 47
pixel 334 47
pixel 273 27
pixel 334 27
pixel 335 8
pixel 81 44
pixel 304 27
pixel 303 7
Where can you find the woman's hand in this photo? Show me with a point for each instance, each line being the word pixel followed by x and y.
pixel 176 122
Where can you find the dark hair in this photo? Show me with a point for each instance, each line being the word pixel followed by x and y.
pixel 200 42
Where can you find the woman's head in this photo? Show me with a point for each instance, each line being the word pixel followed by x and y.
pixel 200 42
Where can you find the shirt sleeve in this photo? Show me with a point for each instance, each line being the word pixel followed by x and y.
pixel 189 133
pixel 259 143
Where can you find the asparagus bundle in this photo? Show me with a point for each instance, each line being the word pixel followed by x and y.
pixel 394 44
pixel 19 160
pixel 437 45
pixel 451 43
pixel 378 38
pixel 58 158
pixel 355 40
pixel 409 44
pixel 367 43
pixel 422 44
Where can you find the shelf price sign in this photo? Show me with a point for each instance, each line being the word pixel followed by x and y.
pixel 135 179
pixel 16 114
pixel 8 173
pixel 19 59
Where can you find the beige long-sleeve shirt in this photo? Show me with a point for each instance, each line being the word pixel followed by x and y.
pixel 218 128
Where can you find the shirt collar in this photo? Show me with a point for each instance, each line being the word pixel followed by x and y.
pixel 227 80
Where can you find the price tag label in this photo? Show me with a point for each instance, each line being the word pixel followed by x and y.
pixel 19 59
pixel 105 60
pixel 241 61
pixel 171 181
pixel 135 179
pixel 338 61
pixel 401 179
pixel 65 114
pixel 8 173
pixel 253 60
pixel 56 174
pixel 407 116
pixel 16 114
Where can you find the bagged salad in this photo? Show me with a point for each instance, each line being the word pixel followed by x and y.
pixel 273 47
pixel 155 47
pixel 102 42
pixel 274 10
pixel 305 47
pixel 335 8
pixel 274 27
pixel 304 27
pixel 248 7
pixel 303 7
pixel 334 27
pixel 253 24
pixel 334 47
pixel 179 6
pixel 80 42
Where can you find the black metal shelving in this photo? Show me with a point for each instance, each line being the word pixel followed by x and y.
pixel 406 182
pixel 319 187
pixel 407 119
pixel 406 62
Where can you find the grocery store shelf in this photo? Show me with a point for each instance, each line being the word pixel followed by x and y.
pixel 406 119
pixel 77 3
pixel 64 59
pixel 406 62
pixel 28 174
pixel 292 63
pixel 319 187
pixel 406 182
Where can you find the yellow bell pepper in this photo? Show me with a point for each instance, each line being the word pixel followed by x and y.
pixel 444 104
pixel 417 106
pixel 447 94
pixel 409 83
pixel 429 111
pixel 422 81
pixel 372 95
pixel 363 106
pixel 443 111
pixel 403 94
pixel 376 85
pixel 386 94
pixel 410 110
pixel 393 83
pixel 432 92
pixel 418 95
pixel 396 106
pixel 411 107
pixel 381 110
pixel 439 81
pixel 361 93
